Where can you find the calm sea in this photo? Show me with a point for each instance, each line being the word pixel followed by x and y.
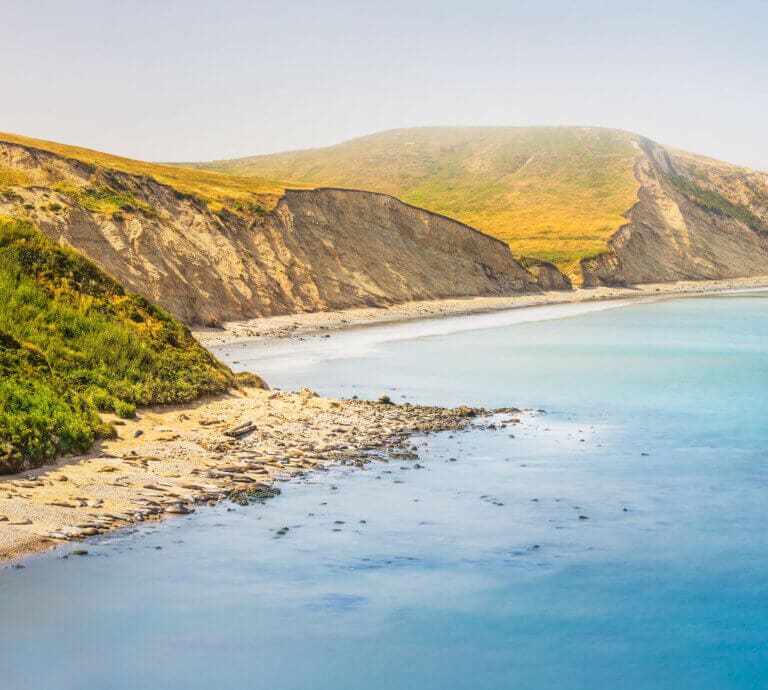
pixel 619 540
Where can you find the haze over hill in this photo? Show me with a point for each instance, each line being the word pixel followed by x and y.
pixel 555 193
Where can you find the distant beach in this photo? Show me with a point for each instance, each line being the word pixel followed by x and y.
pixel 299 325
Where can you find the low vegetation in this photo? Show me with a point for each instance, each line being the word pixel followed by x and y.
pixel 107 199
pixel 552 193
pixel 73 343
pixel 213 189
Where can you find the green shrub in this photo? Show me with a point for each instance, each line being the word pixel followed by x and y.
pixel 125 410
pixel 73 342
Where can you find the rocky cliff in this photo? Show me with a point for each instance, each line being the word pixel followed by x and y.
pixel 315 250
pixel 695 218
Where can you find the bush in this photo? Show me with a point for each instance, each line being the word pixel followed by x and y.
pixel 125 410
pixel 248 380
pixel 73 342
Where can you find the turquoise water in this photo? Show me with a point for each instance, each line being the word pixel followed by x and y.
pixel 476 573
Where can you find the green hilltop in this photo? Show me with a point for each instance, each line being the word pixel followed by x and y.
pixel 553 193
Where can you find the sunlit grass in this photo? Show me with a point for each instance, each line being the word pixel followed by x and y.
pixel 554 193
pixel 213 188
pixel 72 342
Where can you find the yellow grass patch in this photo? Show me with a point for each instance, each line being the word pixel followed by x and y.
pixel 214 188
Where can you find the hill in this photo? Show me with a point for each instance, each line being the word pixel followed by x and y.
pixel 211 248
pixel 213 190
pixel 552 193
pixel 74 343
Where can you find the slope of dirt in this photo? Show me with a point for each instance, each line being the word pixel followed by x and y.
pixel 695 219
pixel 316 250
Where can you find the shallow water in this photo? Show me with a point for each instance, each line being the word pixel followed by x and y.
pixel 474 573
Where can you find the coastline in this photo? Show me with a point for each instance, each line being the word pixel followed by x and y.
pixel 313 323
pixel 169 459
pixel 235 446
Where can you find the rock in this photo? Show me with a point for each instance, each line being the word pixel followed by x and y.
pixel 546 275
pixel 179 509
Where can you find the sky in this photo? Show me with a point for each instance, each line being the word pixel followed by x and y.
pixel 189 80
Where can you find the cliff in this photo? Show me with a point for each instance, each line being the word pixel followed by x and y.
pixel 604 206
pixel 315 250
pixel 694 219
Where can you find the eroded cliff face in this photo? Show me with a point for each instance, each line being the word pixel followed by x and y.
pixel 695 219
pixel 317 250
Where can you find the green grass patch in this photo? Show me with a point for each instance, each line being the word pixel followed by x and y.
pixel 105 199
pixel 108 200
pixel 73 342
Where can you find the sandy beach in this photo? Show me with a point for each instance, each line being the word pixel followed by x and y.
pixel 299 325
pixel 235 446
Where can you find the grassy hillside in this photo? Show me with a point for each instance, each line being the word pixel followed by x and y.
pixel 552 193
pixel 211 188
pixel 73 342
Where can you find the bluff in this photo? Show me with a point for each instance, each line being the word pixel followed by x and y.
pixel 214 254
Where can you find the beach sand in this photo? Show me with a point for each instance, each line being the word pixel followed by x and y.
pixel 299 325
pixel 167 460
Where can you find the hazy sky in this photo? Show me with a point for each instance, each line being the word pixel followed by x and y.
pixel 199 80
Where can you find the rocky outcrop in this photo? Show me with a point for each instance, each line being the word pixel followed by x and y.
pixel 546 275
pixel 694 219
pixel 317 250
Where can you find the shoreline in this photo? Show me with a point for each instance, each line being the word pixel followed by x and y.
pixel 169 459
pixel 294 326
pixel 235 446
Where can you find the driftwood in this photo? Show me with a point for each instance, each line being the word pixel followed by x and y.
pixel 241 430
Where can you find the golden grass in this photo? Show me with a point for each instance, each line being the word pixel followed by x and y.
pixel 554 193
pixel 214 188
